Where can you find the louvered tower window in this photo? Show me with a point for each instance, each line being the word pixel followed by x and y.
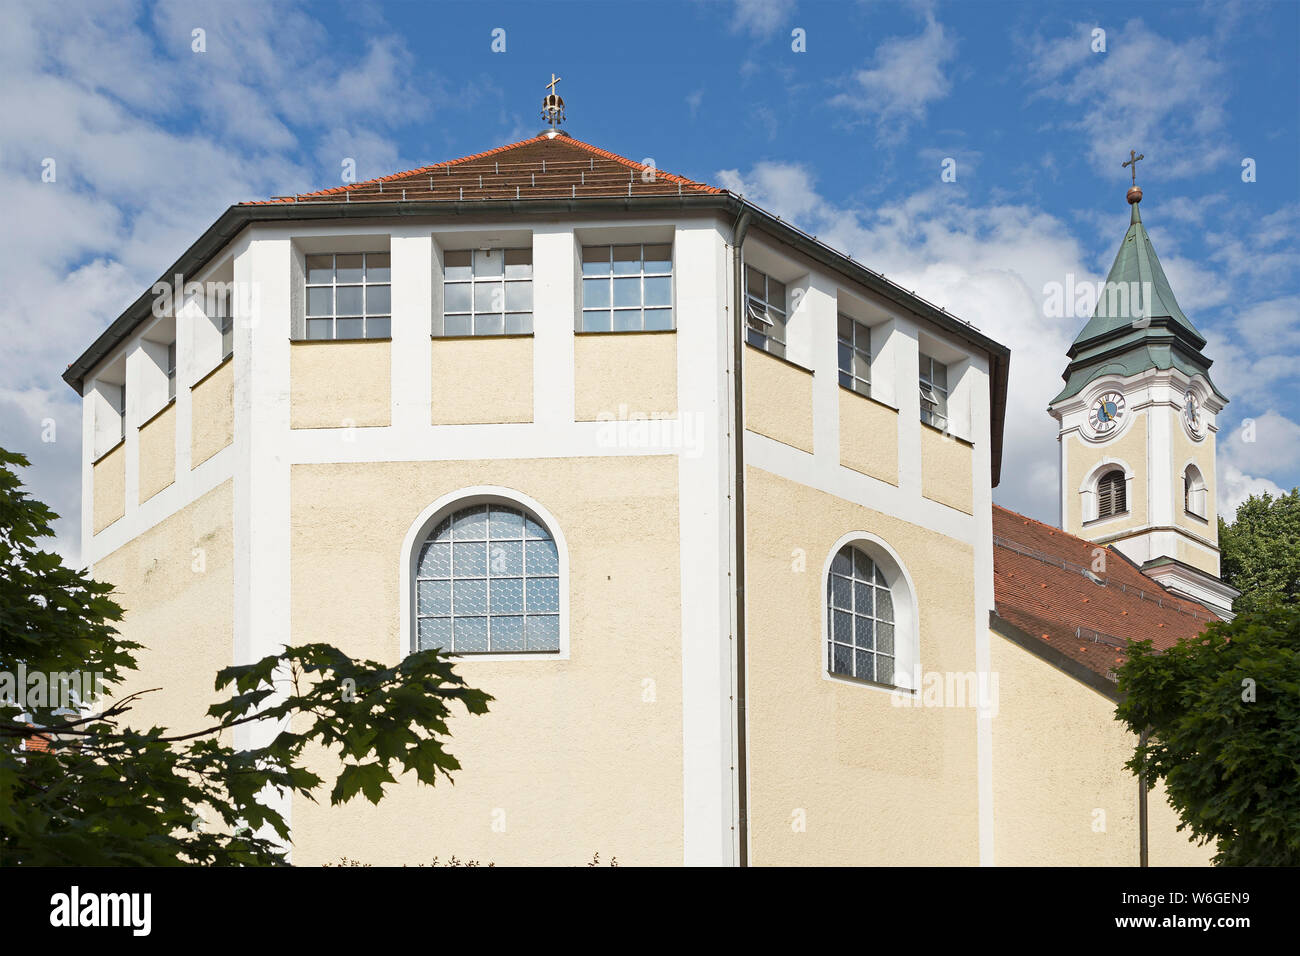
pixel 1111 497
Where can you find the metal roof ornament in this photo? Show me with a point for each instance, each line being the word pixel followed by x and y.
pixel 553 107
pixel 1135 192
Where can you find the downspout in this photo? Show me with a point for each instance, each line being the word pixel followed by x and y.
pixel 738 504
pixel 1143 846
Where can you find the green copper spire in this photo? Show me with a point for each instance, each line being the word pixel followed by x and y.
pixel 1142 291
pixel 1137 324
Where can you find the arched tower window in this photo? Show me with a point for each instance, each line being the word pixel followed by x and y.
pixel 1112 496
pixel 1194 492
pixel 487 580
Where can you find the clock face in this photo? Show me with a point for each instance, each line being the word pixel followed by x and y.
pixel 1107 413
pixel 1192 414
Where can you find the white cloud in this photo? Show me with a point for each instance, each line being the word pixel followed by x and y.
pixel 1261 250
pixel 1166 97
pixel 759 17
pixel 151 142
pixel 1262 444
pixel 1235 487
pixel 905 76
pixel 1192 211
pixel 693 101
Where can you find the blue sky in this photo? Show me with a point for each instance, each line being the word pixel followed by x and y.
pixel 847 138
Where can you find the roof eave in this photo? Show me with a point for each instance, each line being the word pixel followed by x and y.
pixel 1053 656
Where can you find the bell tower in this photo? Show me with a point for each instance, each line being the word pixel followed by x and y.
pixel 1137 426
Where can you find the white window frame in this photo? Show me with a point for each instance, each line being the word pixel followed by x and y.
pixel 514 321
pixel 765 322
pixel 383 319
pixel 858 344
pixel 1195 492
pixel 933 395
pixel 907 639
pixel 1089 511
pixel 425 524
pixel 621 317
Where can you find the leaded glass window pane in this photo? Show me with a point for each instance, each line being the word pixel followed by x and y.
pixel 488 580
pixel 860 618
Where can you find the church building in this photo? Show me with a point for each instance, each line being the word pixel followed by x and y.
pixel 703 503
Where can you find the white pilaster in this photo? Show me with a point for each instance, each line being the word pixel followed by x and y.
pixel 1159 470
pixel 902 344
pixel 708 787
pixel 137 366
pixel 555 286
pixel 261 488
pixel 90 399
pixel 976 379
pixel 819 306
pixel 412 290
pixel 187 373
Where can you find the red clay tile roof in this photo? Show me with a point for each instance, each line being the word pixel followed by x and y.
pixel 38 742
pixel 538 168
pixel 1040 587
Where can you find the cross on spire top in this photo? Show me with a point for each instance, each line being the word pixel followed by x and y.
pixel 1134 157
pixel 1134 192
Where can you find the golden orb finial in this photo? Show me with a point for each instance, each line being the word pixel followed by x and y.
pixel 1134 195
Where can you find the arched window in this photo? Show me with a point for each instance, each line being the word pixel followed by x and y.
pixel 860 619
pixel 1194 492
pixel 488 581
pixel 1112 498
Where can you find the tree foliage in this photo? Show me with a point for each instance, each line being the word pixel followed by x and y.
pixel 1222 712
pixel 108 793
pixel 1260 550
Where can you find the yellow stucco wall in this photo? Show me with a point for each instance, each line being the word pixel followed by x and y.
pixel 175 583
pixel 877 784
pixel 946 464
pixel 340 384
pixel 109 480
pixel 213 409
pixel 158 452
pixel 1083 456
pixel 635 370
pixel 573 759
pixel 482 380
pixel 1061 793
pixel 1165 845
pixel 778 399
pixel 1197 557
pixel 868 436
